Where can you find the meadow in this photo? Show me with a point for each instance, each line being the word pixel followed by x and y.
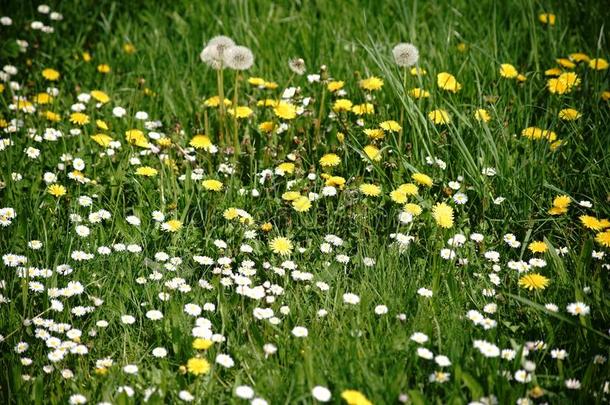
pixel 298 202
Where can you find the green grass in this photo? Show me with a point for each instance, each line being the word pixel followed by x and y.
pixel 351 347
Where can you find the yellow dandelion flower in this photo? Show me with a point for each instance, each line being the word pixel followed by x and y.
pixel 553 72
pixel 547 18
pixel 173 225
pixel 363 109
pixel 594 223
pixel 290 195
pixel 285 111
pixel 230 213
pixel 212 185
pixel 447 81
pixel 482 115
pixel 374 133
pixel 603 238
pixel 422 179
pixel 146 171
pixel 409 189
pixel 439 116
pixel 370 190
pixel 372 152
pixel 598 64
pixel 566 63
pixel 443 215
pixel 353 397
pixel 537 247
pixel 100 96
pixel 50 74
pixel 197 366
pixel 557 210
pixel 569 114
pixel 51 116
pixel 286 167
pixel 79 118
pixel 562 201
pixel 43 98
pixel 390 126
pixel 266 127
pixel 342 104
pixel 129 48
pixel 103 68
pixel 413 209
pixel 533 281
pixel 266 227
pixel 86 56
pixel 579 57
pixel 281 246
pixel 417 71
pixel 136 137
pixel 56 190
pixel 335 181
pixel 215 102
pixel 419 93
pixel 335 85
pixel 201 142
pixel 372 83
pixel 101 125
pixel 202 344
pixel 240 111
pixel 301 204
pixel 257 81
pixel 398 196
pixel 330 160
pixel 508 71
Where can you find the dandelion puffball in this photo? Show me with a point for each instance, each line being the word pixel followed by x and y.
pixel 405 54
pixel 238 58
pixel 212 54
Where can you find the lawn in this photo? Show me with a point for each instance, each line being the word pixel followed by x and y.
pixel 310 201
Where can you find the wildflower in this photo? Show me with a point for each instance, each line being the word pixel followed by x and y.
pixel 594 223
pixel 418 93
pixel 301 204
pixel 362 109
pixel 482 115
pixel 197 366
pixel 371 84
pixel 300 331
pixel 508 71
pixel 391 126
pixel 321 394
pixel 547 18
pixel 372 152
pixel 79 118
pixel 533 281
pixel 297 65
pixel 439 116
pixel 422 179
pixel 447 81
pixel 100 96
pixel 212 185
pixel 285 111
pixel 537 247
pixel 598 64
pixel 146 171
pixel 405 54
pixel 103 68
pixel 342 104
pixel 202 344
pixel 353 397
pixel 238 58
pixel 213 53
pixel 56 190
pixel 578 308
pixel 240 111
pixel 335 85
pixel 603 238
pixel 330 160
pixel 350 298
pixel 569 114
pixel 172 225
pixel 443 215
pixel 370 190
pixel 281 245
pixel 50 74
